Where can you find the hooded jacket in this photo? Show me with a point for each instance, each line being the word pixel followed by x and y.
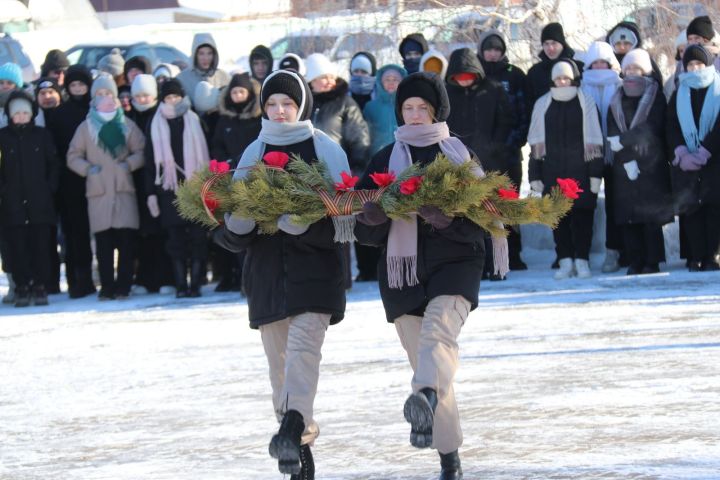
pixel 539 77
pixel 480 115
pixel 28 172
pixel 235 130
pixel 632 26
pixel 190 77
pixel 430 54
pixel 263 52
pixel 339 117
pixel 379 112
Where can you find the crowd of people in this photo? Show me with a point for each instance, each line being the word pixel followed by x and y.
pixel 102 158
pixel 107 153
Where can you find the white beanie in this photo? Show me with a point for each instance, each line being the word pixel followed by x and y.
pixel 361 62
pixel 638 57
pixel 562 69
pixel 601 51
pixel 20 105
pixel 146 84
pixel 317 65
pixel 205 97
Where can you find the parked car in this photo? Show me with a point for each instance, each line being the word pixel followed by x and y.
pixel 12 51
pixel 90 54
pixel 338 47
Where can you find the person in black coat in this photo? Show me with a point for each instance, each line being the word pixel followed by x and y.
pixel 566 142
pixel 492 51
pixel 554 47
pixel 28 180
pixel 693 138
pixel 636 133
pixel 261 63
pixel 430 268
pixel 71 200
pixel 296 288
pixel 482 118
pixel 238 126
pixel 167 142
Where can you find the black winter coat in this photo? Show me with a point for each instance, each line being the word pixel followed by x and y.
pixel 62 125
pixel 480 115
pixel 565 152
pixel 647 199
pixel 450 261
pixel 235 130
pixel 29 170
pixel 539 77
pixel 286 275
pixel 514 81
pixel 148 224
pixel 693 189
pixel 337 115
pixel 169 216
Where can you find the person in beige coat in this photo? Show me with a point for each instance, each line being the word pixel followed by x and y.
pixel 106 149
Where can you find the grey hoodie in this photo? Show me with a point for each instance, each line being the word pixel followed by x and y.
pixel 190 77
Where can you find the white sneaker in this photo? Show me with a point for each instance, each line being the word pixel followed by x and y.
pixel 611 264
pixel 582 267
pixel 139 290
pixel 566 269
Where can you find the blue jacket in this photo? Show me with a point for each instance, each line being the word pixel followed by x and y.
pixel 379 113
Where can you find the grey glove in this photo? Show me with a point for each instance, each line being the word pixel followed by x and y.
pixel 595 184
pixel 286 224
pixel 632 170
pixel 537 186
pixel 239 225
pixel 94 169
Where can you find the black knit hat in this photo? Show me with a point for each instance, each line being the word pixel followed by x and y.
pixel 291 84
pixel 171 87
pixel 696 52
pixel 289 63
pixel 78 73
pixel 48 82
pixel 139 62
pixel 428 86
pixel 54 60
pixel 241 80
pixel 553 31
pixel 701 26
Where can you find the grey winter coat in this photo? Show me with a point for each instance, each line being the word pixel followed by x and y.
pixel 190 77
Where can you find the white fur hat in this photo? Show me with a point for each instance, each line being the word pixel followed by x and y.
pixel 317 65
pixel 601 51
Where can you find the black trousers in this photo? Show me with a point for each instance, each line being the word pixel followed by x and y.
pixel 28 247
pixel 573 236
pixel 702 229
pixel 154 268
pixel 644 244
pixel 187 242
pixel 367 261
pixel 613 232
pixel 106 242
pixel 76 232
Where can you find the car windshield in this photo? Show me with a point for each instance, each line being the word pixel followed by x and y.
pixel 303 45
pixel 92 55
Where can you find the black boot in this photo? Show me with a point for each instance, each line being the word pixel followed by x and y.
pixel 180 273
pixel 198 276
pixel 450 464
pixel 307 465
pixel 285 445
pixel 22 296
pixel 82 284
pixel 419 411
pixel 39 296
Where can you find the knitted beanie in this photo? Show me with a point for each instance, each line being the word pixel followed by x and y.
pixel 19 105
pixel 171 87
pixel 12 73
pixel 553 31
pixel 112 63
pixel 317 65
pixel 291 84
pixel 638 57
pixel 701 26
pixel 48 82
pixel 104 81
pixel 696 52
pixel 146 84
pixel 292 62
pixel 562 69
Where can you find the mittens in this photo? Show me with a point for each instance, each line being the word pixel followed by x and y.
pixel 372 215
pixel 286 224
pixel 435 217
pixel 632 170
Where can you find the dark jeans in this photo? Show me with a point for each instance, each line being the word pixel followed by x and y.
pixel 644 244
pixel 573 236
pixel 153 263
pixel 187 242
pixel 106 242
pixel 76 232
pixel 28 247
pixel 613 232
pixel 702 229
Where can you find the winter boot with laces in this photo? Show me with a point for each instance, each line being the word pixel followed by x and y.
pixel 450 464
pixel 285 445
pixel 612 261
pixel 582 268
pixel 566 270
pixel 419 411
pixel 307 465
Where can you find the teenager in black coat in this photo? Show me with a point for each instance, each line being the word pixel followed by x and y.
pixel 72 203
pixel 693 142
pixel 28 180
pixel 430 268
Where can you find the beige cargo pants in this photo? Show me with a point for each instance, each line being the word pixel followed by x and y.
pixel 292 347
pixel 431 345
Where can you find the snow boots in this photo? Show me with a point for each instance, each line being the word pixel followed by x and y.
pixel 307 465
pixel 450 464
pixel 612 261
pixel 419 411
pixel 285 445
pixel 582 268
pixel 566 270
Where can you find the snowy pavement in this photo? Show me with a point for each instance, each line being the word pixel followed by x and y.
pixel 614 377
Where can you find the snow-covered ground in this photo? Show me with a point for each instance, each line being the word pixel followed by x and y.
pixel 614 377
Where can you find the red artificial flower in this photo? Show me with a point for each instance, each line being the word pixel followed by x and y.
pixel 219 167
pixel 383 179
pixel 211 202
pixel 510 193
pixel 569 187
pixel 347 183
pixel 411 185
pixel 276 159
